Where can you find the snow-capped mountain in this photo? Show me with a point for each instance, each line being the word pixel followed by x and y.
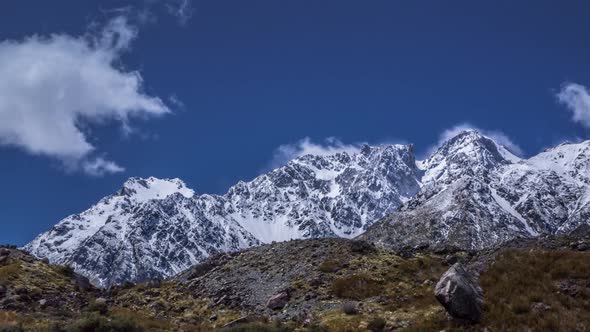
pixel 155 228
pixel 471 193
pixel 476 194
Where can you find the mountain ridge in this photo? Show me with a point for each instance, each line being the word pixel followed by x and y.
pixel 140 233
pixel 471 192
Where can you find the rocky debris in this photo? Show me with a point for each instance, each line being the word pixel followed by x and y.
pixel 573 287
pixel 459 293
pixel 4 255
pixel 350 307
pixel 29 284
pixel 101 300
pixel 582 230
pixel 241 320
pixel 278 301
pixel 539 307
pixel 241 284
pixel 203 267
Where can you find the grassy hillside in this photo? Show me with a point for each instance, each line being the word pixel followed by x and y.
pixel 325 285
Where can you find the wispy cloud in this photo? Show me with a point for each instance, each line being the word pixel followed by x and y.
pixel 53 85
pixel 183 10
pixel 576 98
pixel 99 167
pixel 305 146
pixel 496 135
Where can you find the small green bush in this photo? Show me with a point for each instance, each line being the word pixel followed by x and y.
pixel 377 324
pixel 330 266
pixel 99 307
pixel 97 323
pixel 65 270
pixel 127 285
pixel 356 287
pixel 258 327
pixel 362 247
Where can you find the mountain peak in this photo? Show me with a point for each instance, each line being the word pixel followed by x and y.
pixel 467 153
pixel 145 189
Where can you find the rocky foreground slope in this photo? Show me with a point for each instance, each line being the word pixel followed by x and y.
pixel 471 193
pixel 539 284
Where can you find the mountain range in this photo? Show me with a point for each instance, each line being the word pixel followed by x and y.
pixel 470 193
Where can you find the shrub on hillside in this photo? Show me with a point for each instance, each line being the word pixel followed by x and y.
pixel 356 287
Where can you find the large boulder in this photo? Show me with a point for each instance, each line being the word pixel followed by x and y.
pixel 458 291
pixel 278 301
pixel 82 282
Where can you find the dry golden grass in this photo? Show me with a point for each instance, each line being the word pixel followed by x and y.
pixel 518 279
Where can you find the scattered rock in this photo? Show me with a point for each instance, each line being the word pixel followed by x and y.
pixel 451 259
pixel 460 294
pixel 350 308
pixel 278 301
pixel 21 290
pixel 4 252
pixel 220 301
pixel 2 291
pixel 213 317
pixel 101 300
pixel 43 302
pixel 82 282
pixel 572 287
pixel 539 307
pixel 154 283
pixel 241 320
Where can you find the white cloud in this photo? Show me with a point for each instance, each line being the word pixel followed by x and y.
pixel 577 99
pixel 100 167
pixel 498 136
pixel 53 85
pixel 305 146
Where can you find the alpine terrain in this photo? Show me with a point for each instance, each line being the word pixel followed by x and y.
pixel 155 228
pixel 475 194
pixel 471 193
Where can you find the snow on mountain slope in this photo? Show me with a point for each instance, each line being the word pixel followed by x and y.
pixel 155 228
pixel 476 194
pixel 469 153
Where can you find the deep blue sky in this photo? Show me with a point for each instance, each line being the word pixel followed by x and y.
pixel 257 74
